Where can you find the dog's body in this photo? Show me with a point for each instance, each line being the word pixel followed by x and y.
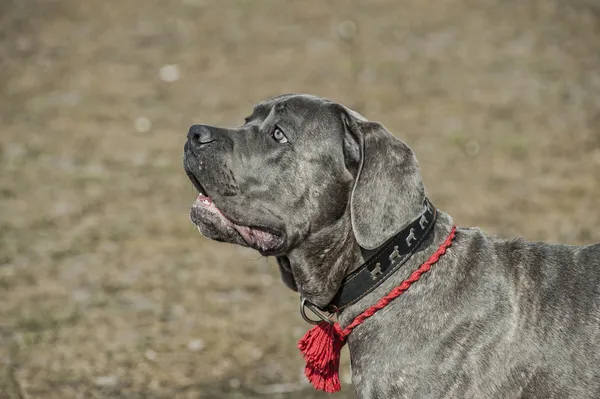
pixel 492 319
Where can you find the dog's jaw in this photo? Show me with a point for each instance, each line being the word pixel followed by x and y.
pixel 205 213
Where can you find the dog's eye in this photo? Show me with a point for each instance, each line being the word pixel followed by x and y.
pixel 279 136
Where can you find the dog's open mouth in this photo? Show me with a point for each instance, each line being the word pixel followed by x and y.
pixel 205 211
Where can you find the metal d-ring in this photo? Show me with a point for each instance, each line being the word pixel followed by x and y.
pixel 304 303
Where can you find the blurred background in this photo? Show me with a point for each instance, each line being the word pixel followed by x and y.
pixel 107 290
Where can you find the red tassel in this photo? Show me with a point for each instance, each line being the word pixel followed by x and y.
pixel 321 347
pixel 322 344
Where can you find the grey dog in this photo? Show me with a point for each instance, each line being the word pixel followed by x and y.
pixel 319 187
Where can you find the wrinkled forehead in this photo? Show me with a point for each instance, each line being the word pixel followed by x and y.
pixel 294 106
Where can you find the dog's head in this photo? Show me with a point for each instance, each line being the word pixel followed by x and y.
pixel 306 180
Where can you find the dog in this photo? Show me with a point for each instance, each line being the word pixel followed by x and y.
pixel 322 189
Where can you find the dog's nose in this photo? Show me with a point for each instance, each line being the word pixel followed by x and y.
pixel 200 134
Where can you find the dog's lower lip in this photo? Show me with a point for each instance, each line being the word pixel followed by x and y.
pixel 269 230
pixel 267 240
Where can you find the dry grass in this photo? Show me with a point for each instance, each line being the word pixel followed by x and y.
pixel 106 290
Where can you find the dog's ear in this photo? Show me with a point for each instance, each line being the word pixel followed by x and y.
pixel 388 189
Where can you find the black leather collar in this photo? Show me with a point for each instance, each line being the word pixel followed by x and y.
pixel 392 255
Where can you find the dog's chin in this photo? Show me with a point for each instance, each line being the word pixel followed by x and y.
pixel 213 223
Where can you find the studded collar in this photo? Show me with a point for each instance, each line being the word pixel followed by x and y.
pixel 392 255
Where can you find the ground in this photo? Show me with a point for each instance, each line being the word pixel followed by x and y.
pixel 107 290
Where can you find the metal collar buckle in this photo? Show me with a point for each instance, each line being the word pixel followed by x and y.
pixel 304 303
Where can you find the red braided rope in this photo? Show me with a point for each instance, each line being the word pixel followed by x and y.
pixel 399 290
pixel 322 344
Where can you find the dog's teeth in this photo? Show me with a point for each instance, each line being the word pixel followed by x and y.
pixel 206 202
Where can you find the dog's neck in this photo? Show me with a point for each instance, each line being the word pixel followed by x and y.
pixel 322 261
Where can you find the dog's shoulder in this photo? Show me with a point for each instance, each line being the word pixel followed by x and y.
pixel 551 265
pixel 517 245
pixel 520 252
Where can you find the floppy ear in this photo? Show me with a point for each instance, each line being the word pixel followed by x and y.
pixel 388 189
